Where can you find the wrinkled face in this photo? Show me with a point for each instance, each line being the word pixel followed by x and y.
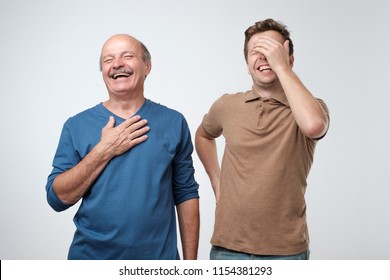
pixel 123 68
pixel 258 66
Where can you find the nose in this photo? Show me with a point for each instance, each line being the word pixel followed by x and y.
pixel 262 57
pixel 117 62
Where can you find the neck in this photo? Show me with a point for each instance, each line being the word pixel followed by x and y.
pixel 124 108
pixel 268 90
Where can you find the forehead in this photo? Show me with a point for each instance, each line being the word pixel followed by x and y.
pixel 119 44
pixel 270 33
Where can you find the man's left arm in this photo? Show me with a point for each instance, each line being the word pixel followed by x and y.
pixel 188 216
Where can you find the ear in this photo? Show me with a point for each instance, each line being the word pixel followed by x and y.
pixel 247 67
pixel 148 68
pixel 291 60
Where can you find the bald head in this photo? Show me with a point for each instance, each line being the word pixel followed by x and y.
pixel 125 38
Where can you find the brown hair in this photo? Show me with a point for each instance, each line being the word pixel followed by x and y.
pixel 266 25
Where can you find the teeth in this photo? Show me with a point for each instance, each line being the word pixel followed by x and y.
pixel 265 67
pixel 121 75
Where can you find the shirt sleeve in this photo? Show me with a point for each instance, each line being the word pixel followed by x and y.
pixel 184 185
pixel 212 121
pixel 324 106
pixel 65 158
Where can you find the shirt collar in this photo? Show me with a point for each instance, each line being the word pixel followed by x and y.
pixel 252 95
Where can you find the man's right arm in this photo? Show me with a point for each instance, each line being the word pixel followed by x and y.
pixel 71 185
pixel 206 149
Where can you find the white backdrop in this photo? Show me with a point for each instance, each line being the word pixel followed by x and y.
pixel 49 71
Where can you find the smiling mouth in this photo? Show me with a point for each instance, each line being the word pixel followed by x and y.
pixel 121 75
pixel 262 68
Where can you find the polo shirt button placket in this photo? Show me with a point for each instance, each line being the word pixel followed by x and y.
pixel 260 113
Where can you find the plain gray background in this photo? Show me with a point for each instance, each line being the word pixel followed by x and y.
pixel 49 72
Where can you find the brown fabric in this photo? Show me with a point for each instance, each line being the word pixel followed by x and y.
pixel 267 159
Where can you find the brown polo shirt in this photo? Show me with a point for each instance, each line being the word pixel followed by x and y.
pixel 266 162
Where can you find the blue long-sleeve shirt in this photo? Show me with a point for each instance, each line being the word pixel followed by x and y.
pixel 129 211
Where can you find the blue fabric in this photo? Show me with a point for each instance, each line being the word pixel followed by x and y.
pixel 129 212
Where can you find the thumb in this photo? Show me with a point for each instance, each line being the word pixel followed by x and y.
pixel 110 123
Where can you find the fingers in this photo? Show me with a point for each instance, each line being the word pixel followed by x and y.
pixel 119 139
pixel 130 121
pixel 137 140
pixel 133 131
pixel 110 123
pixel 266 41
pixel 138 135
pixel 134 123
pixel 286 45
pixel 267 45
pixel 275 52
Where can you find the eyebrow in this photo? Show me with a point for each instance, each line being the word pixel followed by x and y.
pixel 121 54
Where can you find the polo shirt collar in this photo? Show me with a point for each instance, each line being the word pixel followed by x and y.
pixel 252 95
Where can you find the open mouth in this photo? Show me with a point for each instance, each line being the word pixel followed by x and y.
pixel 262 68
pixel 121 75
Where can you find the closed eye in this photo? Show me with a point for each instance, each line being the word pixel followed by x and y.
pixel 129 55
pixel 107 60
